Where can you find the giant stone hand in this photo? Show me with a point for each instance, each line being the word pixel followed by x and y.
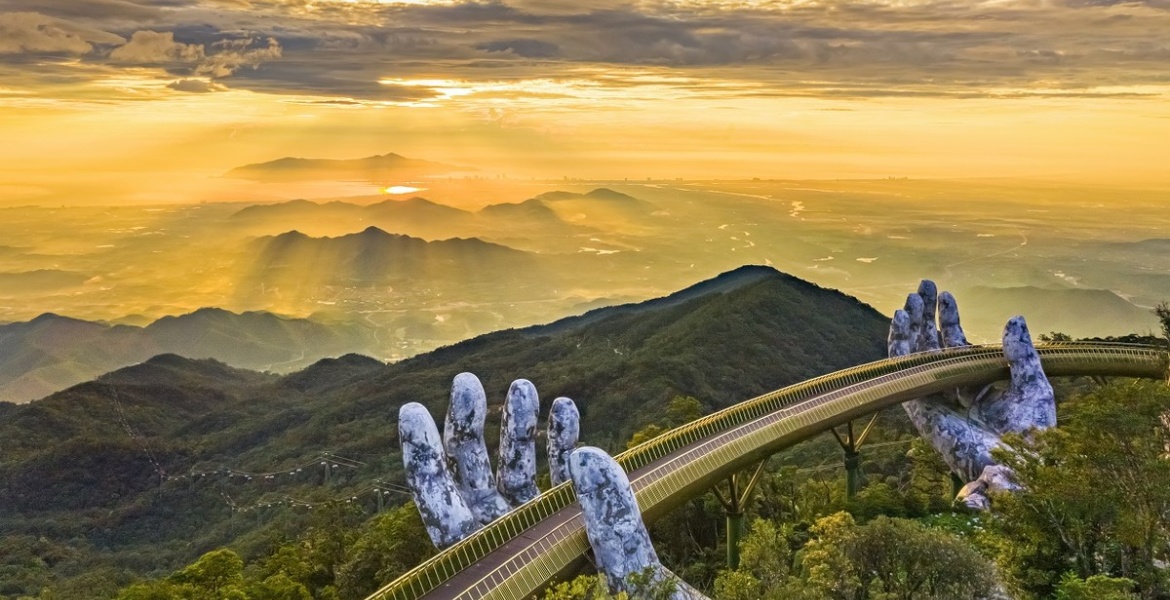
pixel 456 493
pixel 452 481
pixel 965 426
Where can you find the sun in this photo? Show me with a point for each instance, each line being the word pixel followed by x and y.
pixel 401 189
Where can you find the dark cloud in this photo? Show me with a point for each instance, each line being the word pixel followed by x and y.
pixel 528 48
pixel 301 79
pixel 95 9
pixel 36 33
pixel 156 47
pixel 196 86
pixel 342 49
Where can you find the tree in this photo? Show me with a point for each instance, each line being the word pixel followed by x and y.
pixel 151 590
pixel 278 587
pixel 680 411
pixel 884 559
pixel 645 434
pixel 1092 493
pixel 646 585
pixel 214 575
pixel 765 571
pixel 387 546
pixel 1162 311
pixel 1097 587
pixel 585 587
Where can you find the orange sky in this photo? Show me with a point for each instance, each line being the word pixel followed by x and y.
pixel 117 101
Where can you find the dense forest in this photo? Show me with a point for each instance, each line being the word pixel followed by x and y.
pixel 190 480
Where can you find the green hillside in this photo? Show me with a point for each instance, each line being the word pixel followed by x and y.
pixel 147 468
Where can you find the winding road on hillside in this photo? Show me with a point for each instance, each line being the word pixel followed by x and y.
pixel 544 540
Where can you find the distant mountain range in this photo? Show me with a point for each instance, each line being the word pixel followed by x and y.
pixel 553 215
pixel 295 260
pixel 382 167
pixel 52 352
pixel 1075 311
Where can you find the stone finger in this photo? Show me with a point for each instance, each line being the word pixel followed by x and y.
pixel 950 329
pixel 614 526
pixel 1029 401
pixel 444 512
pixel 516 471
pixel 613 521
pixel 466 452
pixel 564 429
pixel 928 339
pixel 899 342
pixel 915 310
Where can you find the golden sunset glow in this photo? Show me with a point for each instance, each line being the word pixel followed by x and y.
pixel 803 90
pixel 454 119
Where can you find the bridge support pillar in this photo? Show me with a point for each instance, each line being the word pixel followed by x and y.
pixel 851 446
pixel 853 475
pixel 739 491
pixel 734 534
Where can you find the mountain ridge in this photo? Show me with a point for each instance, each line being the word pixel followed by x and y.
pixel 53 352
pixel 380 165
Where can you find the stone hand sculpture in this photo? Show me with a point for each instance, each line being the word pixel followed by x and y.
pixel 966 425
pixel 456 492
pixel 451 479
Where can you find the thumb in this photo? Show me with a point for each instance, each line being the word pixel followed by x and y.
pixel 444 513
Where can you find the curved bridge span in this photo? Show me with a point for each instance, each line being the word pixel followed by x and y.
pixel 544 540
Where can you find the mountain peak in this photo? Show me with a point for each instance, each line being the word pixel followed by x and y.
pixel 720 284
pixel 608 194
pixel 373 230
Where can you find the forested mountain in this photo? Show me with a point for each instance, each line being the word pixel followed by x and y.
pixel 146 468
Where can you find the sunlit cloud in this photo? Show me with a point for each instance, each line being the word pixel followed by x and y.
pixel 721 87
